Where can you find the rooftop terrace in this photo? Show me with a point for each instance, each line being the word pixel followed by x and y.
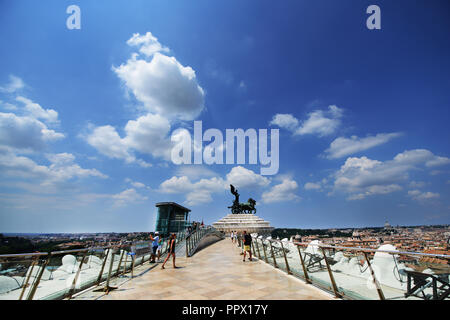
pixel 218 273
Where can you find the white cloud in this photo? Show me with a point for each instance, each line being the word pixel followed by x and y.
pixel 195 171
pixel 362 177
pixel 285 121
pixel 241 177
pixel 341 146
pixel 148 135
pixel 417 184
pixel 196 193
pixel 62 168
pixel 202 190
pixel 319 122
pixel 37 112
pixel 15 84
pixel 25 133
pixel 196 198
pixel 422 196
pixel 137 184
pixel 108 142
pixel 312 186
pixel 162 85
pixel 127 196
pixel 413 157
pixel 148 44
pixel 285 191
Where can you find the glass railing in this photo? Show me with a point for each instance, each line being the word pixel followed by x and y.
pixel 61 274
pixel 194 237
pixel 360 273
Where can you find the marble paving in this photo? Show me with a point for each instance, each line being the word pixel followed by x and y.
pixel 216 273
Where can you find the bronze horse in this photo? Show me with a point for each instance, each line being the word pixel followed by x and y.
pixel 237 207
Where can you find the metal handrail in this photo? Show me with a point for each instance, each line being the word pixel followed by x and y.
pixel 327 246
pixel 54 253
pixel 18 255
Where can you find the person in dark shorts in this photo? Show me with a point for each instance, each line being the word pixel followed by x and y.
pixel 171 252
pixel 247 246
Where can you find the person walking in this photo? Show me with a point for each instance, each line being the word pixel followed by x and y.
pixel 247 245
pixel 171 252
pixel 232 236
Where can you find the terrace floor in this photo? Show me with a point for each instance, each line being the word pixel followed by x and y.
pixel 214 273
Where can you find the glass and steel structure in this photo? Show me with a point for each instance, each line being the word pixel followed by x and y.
pixel 171 218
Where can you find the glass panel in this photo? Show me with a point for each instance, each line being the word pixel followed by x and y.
pixel 293 258
pixel 14 273
pixel 60 273
pixel 315 265
pixel 351 274
pixel 267 244
pixel 279 256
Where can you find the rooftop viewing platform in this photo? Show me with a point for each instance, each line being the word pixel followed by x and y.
pixel 210 267
pixel 216 272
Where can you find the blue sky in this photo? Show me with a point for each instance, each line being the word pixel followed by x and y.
pixel 86 115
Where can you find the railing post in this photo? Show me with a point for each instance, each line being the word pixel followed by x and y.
pixel 257 247
pixel 125 264
pixel 36 282
pixel 187 247
pixel 375 281
pixel 100 275
pixel 273 255
pixel 120 263
pixel 75 279
pixel 264 249
pixel 107 287
pixel 330 273
pixel 285 258
pixel 305 272
pixel 253 247
pixel 33 263
pixel 132 264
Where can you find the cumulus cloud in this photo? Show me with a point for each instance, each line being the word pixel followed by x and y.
pixel 342 146
pixel 14 84
pixel 422 196
pixel 148 135
pixel 196 193
pixel 127 196
pixel 25 133
pixel 37 112
pixel 319 122
pixel 201 191
pixel 162 84
pixel 62 168
pixel 168 90
pixel 312 186
pixel 285 191
pixel 241 177
pixel 148 44
pixel 195 171
pixel 108 142
pixel 362 177
pixel 285 121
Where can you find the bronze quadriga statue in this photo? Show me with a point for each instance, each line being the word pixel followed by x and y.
pixel 239 208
